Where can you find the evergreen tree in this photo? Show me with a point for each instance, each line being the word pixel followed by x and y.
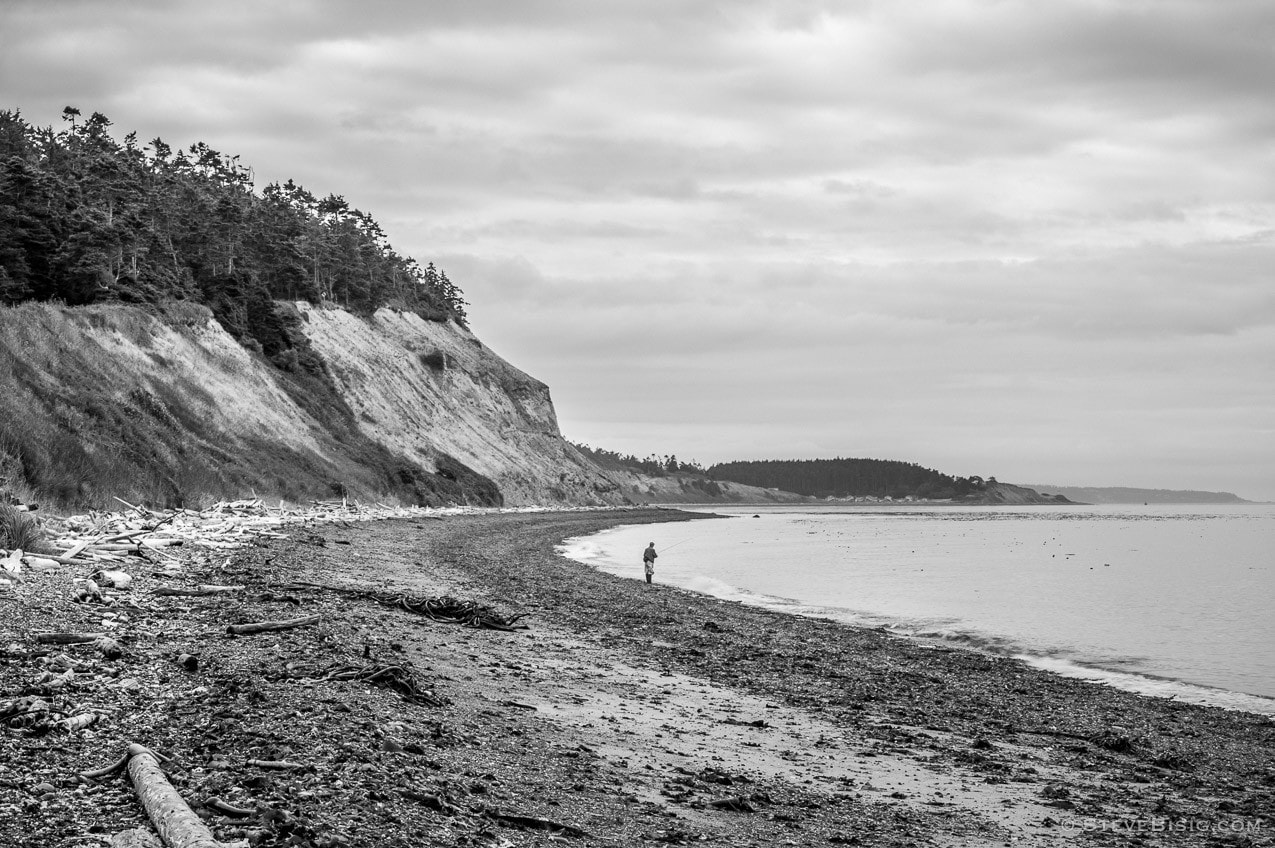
pixel 84 218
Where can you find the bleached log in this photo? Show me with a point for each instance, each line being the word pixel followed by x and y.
pixel 270 626
pixel 161 543
pixel 78 722
pixel 196 592
pixel 176 823
pixel 276 765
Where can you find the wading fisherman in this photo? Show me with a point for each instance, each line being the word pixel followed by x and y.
pixel 648 560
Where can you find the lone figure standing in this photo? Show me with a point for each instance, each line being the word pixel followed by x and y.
pixel 648 559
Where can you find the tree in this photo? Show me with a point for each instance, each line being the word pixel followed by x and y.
pixel 85 218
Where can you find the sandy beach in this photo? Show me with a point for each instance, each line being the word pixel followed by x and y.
pixel 624 714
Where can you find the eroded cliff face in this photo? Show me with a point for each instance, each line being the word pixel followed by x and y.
pixel 112 401
pixel 425 389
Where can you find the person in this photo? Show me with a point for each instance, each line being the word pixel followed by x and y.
pixel 648 559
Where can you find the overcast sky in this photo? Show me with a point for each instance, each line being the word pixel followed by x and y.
pixel 1013 238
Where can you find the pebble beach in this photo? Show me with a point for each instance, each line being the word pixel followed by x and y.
pixel 616 713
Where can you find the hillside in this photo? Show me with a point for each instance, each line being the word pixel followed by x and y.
pixel 1010 495
pixel 1126 495
pixel 172 334
pixel 165 407
pixel 842 478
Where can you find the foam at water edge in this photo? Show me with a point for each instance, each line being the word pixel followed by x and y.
pixel 1154 686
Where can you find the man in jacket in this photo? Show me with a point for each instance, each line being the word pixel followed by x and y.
pixel 648 560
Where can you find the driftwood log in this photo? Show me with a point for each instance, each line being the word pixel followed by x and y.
pixel 67 638
pixel 77 722
pixel 271 626
pixel 176 823
pixel 533 823
pixel 198 591
pixel 277 765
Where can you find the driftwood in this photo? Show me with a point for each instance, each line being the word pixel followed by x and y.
pixel 106 771
pixel 395 677
pixel 176 823
pixel 78 722
pixel 68 638
pixel 198 591
pixel 533 823
pixel 447 608
pixel 271 626
pixel 48 683
pixel 227 809
pixel 277 765
pixel 109 579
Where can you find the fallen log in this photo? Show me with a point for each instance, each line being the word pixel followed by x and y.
pixel 68 638
pixel 79 722
pixel 197 592
pixel 533 823
pixel 271 626
pixel 277 765
pixel 177 824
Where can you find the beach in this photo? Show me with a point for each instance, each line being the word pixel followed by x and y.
pixel 624 714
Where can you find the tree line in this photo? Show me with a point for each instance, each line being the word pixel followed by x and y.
pixel 847 478
pixel 85 218
pixel 655 466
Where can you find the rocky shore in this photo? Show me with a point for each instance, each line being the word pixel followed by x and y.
pixel 624 714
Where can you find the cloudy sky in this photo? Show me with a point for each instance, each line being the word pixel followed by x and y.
pixel 1023 239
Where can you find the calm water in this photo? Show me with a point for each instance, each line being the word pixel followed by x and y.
pixel 1169 600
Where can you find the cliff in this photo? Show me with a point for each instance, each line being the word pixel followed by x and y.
pixel 167 408
pixel 1010 495
pixel 426 389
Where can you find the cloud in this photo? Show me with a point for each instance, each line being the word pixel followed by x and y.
pixel 979 234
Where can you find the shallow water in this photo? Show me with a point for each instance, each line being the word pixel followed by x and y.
pixel 1169 600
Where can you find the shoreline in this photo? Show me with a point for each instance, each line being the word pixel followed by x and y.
pixel 626 714
pixel 592 552
pixel 1139 683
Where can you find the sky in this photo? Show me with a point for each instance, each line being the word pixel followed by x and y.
pixel 1012 238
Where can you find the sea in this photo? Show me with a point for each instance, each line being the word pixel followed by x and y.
pixel 1173 601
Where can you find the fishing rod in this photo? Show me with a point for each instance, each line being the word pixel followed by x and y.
pixel 675 544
